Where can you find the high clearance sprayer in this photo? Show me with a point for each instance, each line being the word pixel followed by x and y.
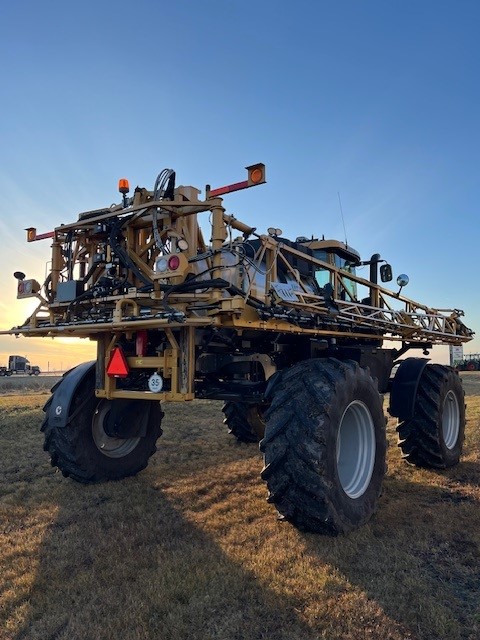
pixel 298 346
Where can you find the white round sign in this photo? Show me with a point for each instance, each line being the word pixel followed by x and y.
pixel 155 383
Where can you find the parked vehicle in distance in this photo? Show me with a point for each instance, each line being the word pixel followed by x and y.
pixel 20 364
pixel 470 362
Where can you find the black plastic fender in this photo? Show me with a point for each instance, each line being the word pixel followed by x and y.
pixel 404 387
pixel 63 393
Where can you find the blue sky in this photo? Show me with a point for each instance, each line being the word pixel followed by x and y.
pixel 376 100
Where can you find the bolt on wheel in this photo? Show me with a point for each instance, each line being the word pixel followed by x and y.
pixel 110 446
pixel 355 449
pixel 450 420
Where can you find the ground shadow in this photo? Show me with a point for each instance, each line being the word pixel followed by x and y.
pixel 123 560
pixel 466 472
pixel 120 560
pixel 415 546
pixel 102 574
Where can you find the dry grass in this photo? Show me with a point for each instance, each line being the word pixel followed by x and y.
pixel 14 384
pixel 190 548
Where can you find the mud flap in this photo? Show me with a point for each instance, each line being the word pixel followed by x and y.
pixel 59 414
pixel 405 386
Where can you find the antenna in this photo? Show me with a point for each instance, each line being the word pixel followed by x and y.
pixel 343 220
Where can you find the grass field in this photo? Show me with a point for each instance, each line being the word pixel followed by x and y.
pixel 190 549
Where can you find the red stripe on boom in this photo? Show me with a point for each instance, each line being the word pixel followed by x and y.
pixel 230 187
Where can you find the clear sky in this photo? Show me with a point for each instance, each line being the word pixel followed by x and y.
pixel 377 100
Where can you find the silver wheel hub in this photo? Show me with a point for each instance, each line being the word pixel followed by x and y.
pixel 356 445
pixel 450 420
pixel 108 445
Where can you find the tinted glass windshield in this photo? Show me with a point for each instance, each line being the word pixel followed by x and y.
pixel 322 276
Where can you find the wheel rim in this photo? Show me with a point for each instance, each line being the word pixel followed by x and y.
pixel 255 416
pixel 450 420
pixel 108 446
pixel 356 446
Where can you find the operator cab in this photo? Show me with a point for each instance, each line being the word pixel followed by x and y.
pixel 339 255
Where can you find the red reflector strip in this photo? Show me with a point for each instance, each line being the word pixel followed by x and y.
pixel 141 343
pixel 118 366
pixel 44 236
pixel 230 187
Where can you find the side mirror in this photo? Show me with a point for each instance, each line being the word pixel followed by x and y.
pixel 402 281
pixel 386 272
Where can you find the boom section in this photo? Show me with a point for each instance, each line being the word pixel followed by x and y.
pixel 147 266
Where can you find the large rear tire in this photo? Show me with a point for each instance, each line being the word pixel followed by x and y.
pixel 325 446
pixel 244 421
pixel 434 437
pixel 84 451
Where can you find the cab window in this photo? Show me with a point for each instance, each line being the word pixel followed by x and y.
pixel 322 276
pixel 350 292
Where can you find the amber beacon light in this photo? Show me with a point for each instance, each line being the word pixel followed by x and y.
pixel 123 186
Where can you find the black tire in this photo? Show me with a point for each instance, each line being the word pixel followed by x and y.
pixel 76 449
pixel 434 437
pixel 322 410
pixel 244 421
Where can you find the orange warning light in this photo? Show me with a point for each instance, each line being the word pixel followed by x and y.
pixel 123 185
pixel 118 366
pixel 32 234
pixel 256 174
